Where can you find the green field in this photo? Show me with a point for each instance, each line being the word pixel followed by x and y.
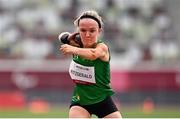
pixel 127 112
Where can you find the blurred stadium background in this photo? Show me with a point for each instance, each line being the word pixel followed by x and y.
pixel 144 40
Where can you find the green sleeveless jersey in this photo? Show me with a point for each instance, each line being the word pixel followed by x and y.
pixel 93 93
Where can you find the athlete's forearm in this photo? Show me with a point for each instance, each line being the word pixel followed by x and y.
pixel 88 53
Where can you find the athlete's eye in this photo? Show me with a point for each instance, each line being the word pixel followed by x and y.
pixel 82 30
pixel 92 31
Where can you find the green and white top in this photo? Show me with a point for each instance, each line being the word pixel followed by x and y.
pixel 94 72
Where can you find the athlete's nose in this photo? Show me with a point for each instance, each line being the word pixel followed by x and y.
pixel 87 34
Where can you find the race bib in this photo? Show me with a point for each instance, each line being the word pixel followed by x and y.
pixel 82 73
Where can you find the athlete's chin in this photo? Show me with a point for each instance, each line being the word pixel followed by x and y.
pixel 88 44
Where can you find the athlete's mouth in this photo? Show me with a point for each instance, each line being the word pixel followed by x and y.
pixel 88 38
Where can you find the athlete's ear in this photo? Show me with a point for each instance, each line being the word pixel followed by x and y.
pixel 100 30
pixel 77 29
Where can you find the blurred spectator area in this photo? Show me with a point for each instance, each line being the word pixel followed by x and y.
pixel 135 30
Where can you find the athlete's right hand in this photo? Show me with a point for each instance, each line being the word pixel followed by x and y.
pixel 68 49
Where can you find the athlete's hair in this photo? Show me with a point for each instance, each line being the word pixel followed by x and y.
pixel 92 15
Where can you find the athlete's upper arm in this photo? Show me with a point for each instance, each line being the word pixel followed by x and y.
pixel 101 51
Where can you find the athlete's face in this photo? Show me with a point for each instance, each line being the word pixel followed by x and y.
pixel 89 31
